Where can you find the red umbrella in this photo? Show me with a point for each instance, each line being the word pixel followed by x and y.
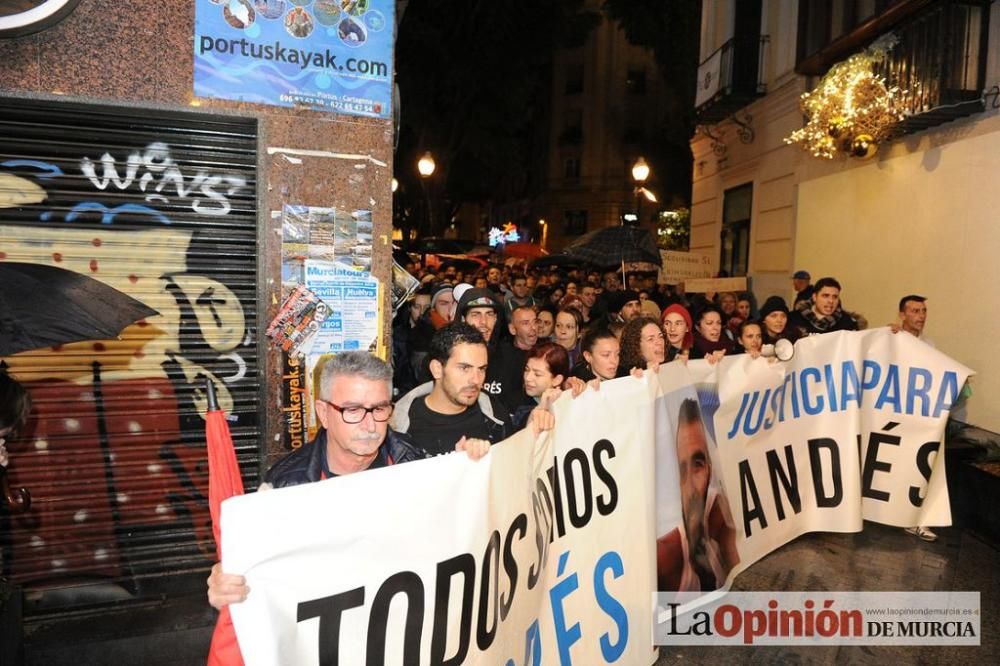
pixel 524 250
pixel 224 481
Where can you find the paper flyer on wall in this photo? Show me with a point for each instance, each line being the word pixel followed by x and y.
pixel 352 295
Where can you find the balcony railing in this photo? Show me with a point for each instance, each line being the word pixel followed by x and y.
pixel 730 78
pixel 940 62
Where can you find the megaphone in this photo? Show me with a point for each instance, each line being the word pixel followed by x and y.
pixel 783 350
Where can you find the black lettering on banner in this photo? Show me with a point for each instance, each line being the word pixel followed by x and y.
pixel 788 477
pixel 873 464
pixel 409 584
pixel 464 564
pixel 925 461
pixel 520 527
pixel 489 583
pixel 577 517
pixel 543 528
pixel 605 506
pixel 834 498
pixel 553 473
pixel 328 610
pixel 747 484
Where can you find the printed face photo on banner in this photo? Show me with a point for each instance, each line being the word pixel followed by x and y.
pixel 696 537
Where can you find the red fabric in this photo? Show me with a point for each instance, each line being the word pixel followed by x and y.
pixel 224 481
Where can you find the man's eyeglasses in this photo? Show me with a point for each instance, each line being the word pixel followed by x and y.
pixel 356 413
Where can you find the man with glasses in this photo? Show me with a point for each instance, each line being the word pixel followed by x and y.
pixel 354 410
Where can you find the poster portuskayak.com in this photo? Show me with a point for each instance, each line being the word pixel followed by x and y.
pixel 333 55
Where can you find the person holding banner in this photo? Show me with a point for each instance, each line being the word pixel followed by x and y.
pixel 708 334
pixel 698 554
pixel 355 437
pixel 643 345
pixel 749 338
pixel 601 355
pixel 774 320
pixel 452 406
pixel 546 367
pixel 823 312
pixel 676 321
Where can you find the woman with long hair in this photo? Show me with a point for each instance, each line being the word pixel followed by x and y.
pixel 546 367
pixel 643 345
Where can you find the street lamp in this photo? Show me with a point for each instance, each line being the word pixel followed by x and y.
pixel 425 167
pixel 640 172
pixel 545 231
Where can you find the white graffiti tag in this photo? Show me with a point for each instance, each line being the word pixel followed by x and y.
pixel 155 172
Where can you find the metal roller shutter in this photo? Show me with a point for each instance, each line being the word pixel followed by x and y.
pixel 161 206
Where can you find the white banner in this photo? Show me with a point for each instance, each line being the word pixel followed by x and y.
pixel 850 429
pixel 538 553
pixel 543 551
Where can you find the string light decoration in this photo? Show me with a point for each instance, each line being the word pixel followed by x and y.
pixel 852 110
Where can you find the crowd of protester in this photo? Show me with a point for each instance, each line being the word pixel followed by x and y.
pixel 606 329
pixel 477 357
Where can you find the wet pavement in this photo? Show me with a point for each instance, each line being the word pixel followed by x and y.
pixel 878 559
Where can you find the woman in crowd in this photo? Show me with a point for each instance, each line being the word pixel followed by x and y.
pixel 708 335
pixel 601 355
pixel 742 314
pixel 568 330
pixel 774 317
pixel 677 329
pixel 749 338
pixel 556 294
pixel 546 367
pixel 546 323
pixel 642 345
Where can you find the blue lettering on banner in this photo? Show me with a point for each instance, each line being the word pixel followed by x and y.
pixel 829 388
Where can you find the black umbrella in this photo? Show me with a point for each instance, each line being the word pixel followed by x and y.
pixel 42 306
pixel 613 246
pixel 561 260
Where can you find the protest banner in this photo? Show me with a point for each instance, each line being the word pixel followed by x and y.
pixel 850 429
pixel 680 266
pixel 545 550
pixel 540 552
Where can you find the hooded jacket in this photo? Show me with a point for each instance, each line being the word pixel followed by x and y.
pixel 496 416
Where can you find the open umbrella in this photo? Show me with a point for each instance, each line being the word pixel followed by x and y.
pixel 523 250
pixel 560 260
pixel 613 246
pixel 42 306
pixel 224 481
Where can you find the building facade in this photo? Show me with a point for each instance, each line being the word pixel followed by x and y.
pixel 917 217
pixel 605 102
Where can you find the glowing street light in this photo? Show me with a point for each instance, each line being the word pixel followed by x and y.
pixel 395 185
pixel 640 171
pixel 426 165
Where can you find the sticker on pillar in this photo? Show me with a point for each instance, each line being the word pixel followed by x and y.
pixel 324 55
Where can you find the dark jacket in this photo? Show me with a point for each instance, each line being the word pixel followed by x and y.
pixel 496 415
pixel 305 465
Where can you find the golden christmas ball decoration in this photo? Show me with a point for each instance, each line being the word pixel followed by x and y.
pixel 864 147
